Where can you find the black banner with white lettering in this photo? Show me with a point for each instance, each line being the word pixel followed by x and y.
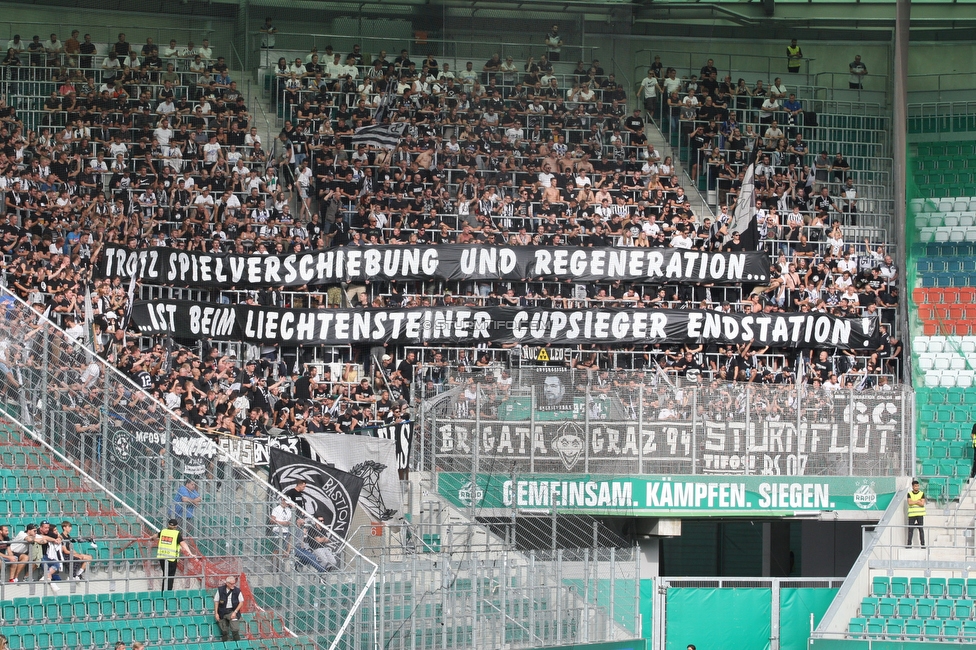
pixel 330 493
pixel 402 435
pixel 180 268
pixel 535 326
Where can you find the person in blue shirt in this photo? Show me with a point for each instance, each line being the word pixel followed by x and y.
pixel 794 112
pixel 185 502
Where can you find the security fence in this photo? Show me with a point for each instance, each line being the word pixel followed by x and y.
pixel 437 584
pixel 560 420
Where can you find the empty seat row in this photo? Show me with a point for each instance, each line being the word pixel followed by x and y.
pixel 946 234
pixel 910 607
pixel 917 587
pixel 933 249
pixel 912 629
pixel 78 608
pixel 947 360
pixel 943 205
pixel 944 449
pixel 940 396
pixel 945 264
pixel 949 378
pixel 950 468
pixel 951 219
pixel 166 631
pixel 949 432
pixel 56 506
pixel 964 344
pixel 945 414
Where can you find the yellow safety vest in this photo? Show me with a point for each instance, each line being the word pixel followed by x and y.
pixel 168 549
pixel 793 53
pixel 916 511
pixel 974 437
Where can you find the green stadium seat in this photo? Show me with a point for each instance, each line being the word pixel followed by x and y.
pixel 906 608
pixel 894 628
pixel 963 608
pixel 951 630
pixel 869 606
pixel 937 587
pixel 956 587
pixel 913 629
pixel 881 585
pixel 918 587
pixel 943 608
pixel 968 629
pixel 899 587
pixel 886 607
pixel 875 627
pixel 925 608
pixel 932 629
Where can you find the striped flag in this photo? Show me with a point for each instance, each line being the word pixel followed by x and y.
pixel 386 100
pixel 384 136
pixel 744 216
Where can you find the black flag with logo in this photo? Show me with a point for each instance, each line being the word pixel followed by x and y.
pixel 332 493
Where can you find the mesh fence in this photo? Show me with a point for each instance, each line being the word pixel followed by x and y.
pixel 567 421
pixel 441 582
pixel 161 467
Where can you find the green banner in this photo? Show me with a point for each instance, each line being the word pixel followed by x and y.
pixel 672 495
pixel 719 618
pixel 795 607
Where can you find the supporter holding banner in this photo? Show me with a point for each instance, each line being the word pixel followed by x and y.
pixel 181 268
pixel 531 326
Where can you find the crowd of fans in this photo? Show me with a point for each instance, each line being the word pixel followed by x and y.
pixel 498 154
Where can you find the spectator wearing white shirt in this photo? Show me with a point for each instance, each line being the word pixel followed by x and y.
pixel 163 134
pixel 297 68
pixel 204 203
pixel 252 138
pixel 166 107
pixel 205 51
pixel 681 240
pixel 54 48
pixel 16 44
pixel 170 51
pixel 110 67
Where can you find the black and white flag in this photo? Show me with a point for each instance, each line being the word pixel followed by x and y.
pixel 333 492
pixel 373 460
pixel 384 136
pixel 744 216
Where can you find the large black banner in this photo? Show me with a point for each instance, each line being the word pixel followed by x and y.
pixel 180 268
pixel 333 493
pixel 535 326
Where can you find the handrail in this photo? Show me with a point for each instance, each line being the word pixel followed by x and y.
pixel 64 29
pixel 127 381
pixel 895 508
pixel 492 46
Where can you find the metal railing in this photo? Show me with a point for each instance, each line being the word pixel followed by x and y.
pixel 101 424
pixel 300 44
pixel 71 400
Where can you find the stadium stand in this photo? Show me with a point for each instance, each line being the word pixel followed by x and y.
pixel 943 347
pixel 146 150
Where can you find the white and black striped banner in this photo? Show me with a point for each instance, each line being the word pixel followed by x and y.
pixel 384 136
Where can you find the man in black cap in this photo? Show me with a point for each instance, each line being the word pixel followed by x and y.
pixel 168 549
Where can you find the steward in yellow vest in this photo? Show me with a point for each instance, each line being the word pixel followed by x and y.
pixel 171 545
pixel 916 512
